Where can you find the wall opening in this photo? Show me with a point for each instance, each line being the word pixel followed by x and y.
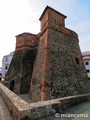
pixel 12 84
pixel 77 61
pixel 86 63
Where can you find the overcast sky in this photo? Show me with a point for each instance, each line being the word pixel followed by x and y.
pixel 18 16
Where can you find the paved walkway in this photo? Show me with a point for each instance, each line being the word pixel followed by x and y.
pixel 4 112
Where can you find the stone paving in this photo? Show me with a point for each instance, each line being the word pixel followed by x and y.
pixel 4 112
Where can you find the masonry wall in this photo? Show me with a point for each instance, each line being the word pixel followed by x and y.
pixel 59 68
pixel 57 73
pixel 26 40
pixel 20 70
pixel 39 68
pixel 65 76
pixel 18 77
pixel 21 110
pixel 54 68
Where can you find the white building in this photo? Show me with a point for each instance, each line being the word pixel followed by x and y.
pixel 86 58
pixel 5 63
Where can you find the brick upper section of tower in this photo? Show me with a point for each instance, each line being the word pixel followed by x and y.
pixel 26 40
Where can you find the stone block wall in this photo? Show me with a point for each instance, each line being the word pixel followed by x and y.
pixel 59 68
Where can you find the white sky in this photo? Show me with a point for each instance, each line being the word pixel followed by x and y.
pixel 17 16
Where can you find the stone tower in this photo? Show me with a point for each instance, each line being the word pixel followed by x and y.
pixel 20 71
pixel 48 65
pixel 59 69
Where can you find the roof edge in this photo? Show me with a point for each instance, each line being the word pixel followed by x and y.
pixel 25 33
pixel 48 7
